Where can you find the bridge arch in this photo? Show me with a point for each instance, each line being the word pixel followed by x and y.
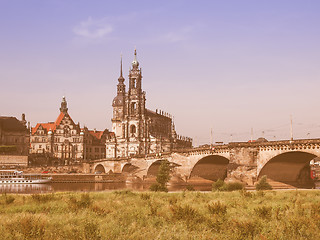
pixel 212 167
pixel 99 169
pixel 291 168
pixel 128 168
pixel 154 168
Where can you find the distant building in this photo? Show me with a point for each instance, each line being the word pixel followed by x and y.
pixel 14 136
pixel 138 130
pixel 63 139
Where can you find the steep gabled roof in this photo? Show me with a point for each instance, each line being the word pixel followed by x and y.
pixel 98 134
pixel 47 126
pixel 59 119
pixel 51 125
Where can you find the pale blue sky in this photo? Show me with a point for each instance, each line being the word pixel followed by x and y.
pixel 226 65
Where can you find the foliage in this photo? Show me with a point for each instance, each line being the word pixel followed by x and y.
pixel 262 184
pixel 157 187
pixel 220 185
pixel 163 177
pixel 234 186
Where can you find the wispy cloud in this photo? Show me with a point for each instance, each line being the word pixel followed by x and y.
pixel 178 35
pixel 93 29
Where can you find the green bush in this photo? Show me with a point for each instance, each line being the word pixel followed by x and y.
pixel 234 186
pixel 220 185
pixel 263 184
pixel 157 187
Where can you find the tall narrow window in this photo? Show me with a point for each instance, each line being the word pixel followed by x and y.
pixel 133 130
pixel 133 107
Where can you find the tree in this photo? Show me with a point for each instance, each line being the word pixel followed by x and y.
pixel 163 177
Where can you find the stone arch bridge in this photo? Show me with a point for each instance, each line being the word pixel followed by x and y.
pixel 282 161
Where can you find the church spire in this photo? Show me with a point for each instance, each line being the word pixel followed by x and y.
pixel 64 108
pixel 121 67
pixel 121 78
pixel 121 87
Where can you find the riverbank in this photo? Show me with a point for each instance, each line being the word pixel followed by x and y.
pixel 87 178
pixel 184 215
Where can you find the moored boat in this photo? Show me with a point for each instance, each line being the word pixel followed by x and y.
pixel 18 177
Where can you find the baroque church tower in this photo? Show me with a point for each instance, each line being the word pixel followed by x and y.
pixel 128 122
pixel 136 129
pixel 135 102
pixel 118 105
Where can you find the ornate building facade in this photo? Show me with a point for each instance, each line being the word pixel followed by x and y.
pixel 65 140
pixel 138 130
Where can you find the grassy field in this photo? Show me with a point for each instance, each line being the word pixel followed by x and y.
pixel 183 215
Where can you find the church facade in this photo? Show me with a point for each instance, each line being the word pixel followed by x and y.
pixel 136 129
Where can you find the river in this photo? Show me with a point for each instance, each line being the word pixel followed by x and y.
pixel 85 187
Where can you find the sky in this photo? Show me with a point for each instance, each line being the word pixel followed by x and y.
pixel 236 67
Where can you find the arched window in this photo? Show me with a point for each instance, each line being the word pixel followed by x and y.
pixel 133 130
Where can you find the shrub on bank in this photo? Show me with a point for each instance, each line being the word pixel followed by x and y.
pixel 220 185
pixel 157 187
pixel 263 184
pixel 234 186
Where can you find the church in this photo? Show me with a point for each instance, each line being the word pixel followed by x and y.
pixel 136 129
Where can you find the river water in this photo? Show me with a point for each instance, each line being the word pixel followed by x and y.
pixel 85 187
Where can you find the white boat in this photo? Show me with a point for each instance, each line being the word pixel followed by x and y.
pixel 18 177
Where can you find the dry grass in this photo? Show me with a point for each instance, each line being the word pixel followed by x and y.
pixel 184 215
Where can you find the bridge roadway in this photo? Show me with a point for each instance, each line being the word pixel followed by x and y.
pixel 282 161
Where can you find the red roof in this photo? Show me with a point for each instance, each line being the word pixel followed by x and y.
pixel 96 134
pixel 59 119
pixel 51 125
